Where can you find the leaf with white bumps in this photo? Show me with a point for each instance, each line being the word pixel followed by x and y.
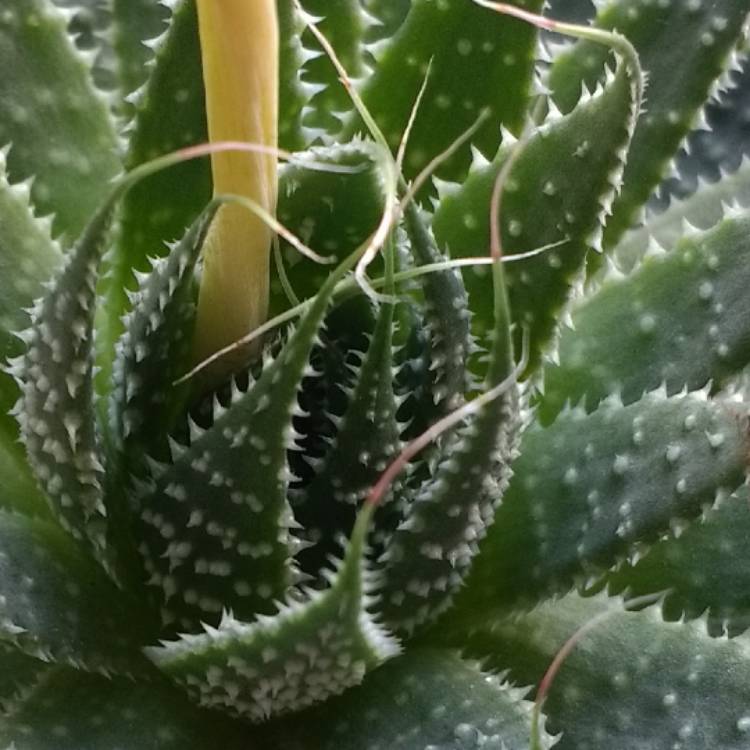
pixel 558 191
pixel 696 37
pixel 215 525
pixel 481 61
pixel 681 318
pixel 56 410
pixel 592 489
pixel 367 440
pixel 429 699
pixel 633 680
pixel 68 710
pixel 429 554
pixel 58 605
pixel 169 114
pixel 306 653
pixel 28 258
pixel 58 125
pixel 704 570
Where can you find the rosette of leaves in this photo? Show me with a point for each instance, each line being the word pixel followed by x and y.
pixel 192 563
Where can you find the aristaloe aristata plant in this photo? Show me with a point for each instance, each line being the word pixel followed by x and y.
pixel 389 390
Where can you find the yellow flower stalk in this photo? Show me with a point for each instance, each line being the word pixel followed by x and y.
pixel 239 43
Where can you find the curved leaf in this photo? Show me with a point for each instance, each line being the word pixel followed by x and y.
pixel 65 141
pixel 425 699
pixel 696 38
pixel 67 710
pixel 590 490
pixel 681 318
pixel 306 653
pixel 702 571
pixel 633 681
pixel 559 191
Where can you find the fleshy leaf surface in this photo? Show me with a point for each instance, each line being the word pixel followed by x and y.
pixel 558 191
pixel 480 61
pixel 695 37
pixel 592 489
pixel 428 698
pixel 665 685
pixel 680 318
pixel 58 125
pixel 306 653
pixel 702 570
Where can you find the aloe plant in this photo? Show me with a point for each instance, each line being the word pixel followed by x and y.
pixel 351 397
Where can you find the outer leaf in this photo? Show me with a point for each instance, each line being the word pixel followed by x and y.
pixel 680 318
pixel 134 24
pixel 389 14
pixel 58 605
pixel 664 685
pixel 293 94
pixel 56 412
pixel 17 673
pixel 306 653
pixel 695 37
pixel 559 191
pixel 426 699
pixel 57 139
pixel 590 489
pixel 67 710
pixel 20 492
pixel 28 257
pixel 429 554
pixel 703 570
pixel 480 61
pixel 170 113
pixel 344 24
pixel 703 209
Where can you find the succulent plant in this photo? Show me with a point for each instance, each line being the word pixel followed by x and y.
pixel 375 415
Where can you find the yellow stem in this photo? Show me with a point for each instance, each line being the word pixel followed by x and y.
pixel 239 44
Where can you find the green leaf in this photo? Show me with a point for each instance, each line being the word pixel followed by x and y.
pixel 447 318
pixel 558 192
pixel 20 492
pixel 155 349
pixel 309 651
pixel 56 412
pixel 215 524
pixel 344 23
pixel 68 710
pixel 170 114
pixel 389 15
pixel 28 258
pixel 293 93
pixel 425 699
pixel 592 489
pixel 680 318
pixel 702 570
pixel 134 24
pixel 429 554
pixel 698 38
pixel 663 685
pixel 18 672
pixel 703 209
pixel 57 604
pixel 58 124
pixel 313 204
pixel 367 440
pixel 481 61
